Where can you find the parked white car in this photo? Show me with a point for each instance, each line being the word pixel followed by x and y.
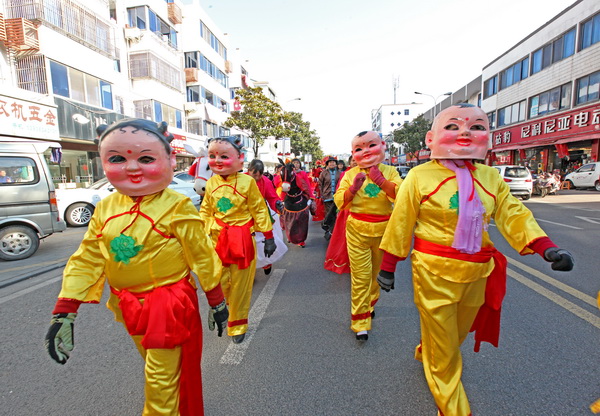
pixel 76 206
pixel 518 178
pixel 587 176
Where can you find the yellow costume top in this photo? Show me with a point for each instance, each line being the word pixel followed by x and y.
pixel 427 203
pixel 370 199
pixel 234 200
pixel 140 244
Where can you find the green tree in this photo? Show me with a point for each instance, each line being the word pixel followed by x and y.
pixel 302 138
pixel 412 135
pixel 259 118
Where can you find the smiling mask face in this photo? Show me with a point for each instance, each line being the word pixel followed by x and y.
pixel 136 162
pixel 459 133
pixel 368 150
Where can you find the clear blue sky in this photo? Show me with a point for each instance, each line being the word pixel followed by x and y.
pixel 341 56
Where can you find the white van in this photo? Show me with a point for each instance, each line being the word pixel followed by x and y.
pixel 587 176
pixel 28 210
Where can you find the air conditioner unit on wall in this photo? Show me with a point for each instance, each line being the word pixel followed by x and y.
pixel 133 34
pixel 189 107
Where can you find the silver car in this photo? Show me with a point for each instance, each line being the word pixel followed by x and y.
pixel 518 178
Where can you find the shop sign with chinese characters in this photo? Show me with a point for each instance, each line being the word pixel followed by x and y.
pixel 27 119
pixel 582 123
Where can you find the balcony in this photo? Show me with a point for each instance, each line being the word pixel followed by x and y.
pixel 2 28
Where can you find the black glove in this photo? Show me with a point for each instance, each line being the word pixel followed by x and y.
pixel 270 247
pixel 218 315
pixel 279 205
pixel 386 280
pixel 59 339
pixel 560 258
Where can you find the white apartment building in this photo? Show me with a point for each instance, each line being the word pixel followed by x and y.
pixel 389 117
pixel 542 95
pixel 68 66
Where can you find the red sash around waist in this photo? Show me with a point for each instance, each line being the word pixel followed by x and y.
pixel 487 321
pixel 168 317
pixel 369 217
pixel 235 244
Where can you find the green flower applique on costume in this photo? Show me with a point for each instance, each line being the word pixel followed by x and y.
pixel 454 202
pixel 224 204
pixel 372 190
pixel 124 248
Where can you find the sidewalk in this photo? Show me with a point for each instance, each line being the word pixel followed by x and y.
pixel 566 196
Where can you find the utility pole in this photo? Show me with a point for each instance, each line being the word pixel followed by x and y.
pixel 396 83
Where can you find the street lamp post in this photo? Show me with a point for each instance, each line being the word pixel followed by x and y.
pixel 434 100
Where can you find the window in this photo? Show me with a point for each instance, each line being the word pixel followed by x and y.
pixel 193 94
pixel 20 170
pixel 212 40
pixel 492 119
pixel 406 112
pixel 71 83
pixel 157 111
pixel 137 17
pixel 588 88
pixel 512 114
pixel 550 101
pixel 490 87
pixel 143 17
pixel 191 59
pixel 514 73
pixel 557 50
pixel 589 32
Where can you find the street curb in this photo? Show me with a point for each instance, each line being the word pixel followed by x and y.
pixel 29 275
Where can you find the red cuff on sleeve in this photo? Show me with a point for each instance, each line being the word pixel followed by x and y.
pixel 268 234
pixel 540 245
pixel 66 306
pixel 215 296
pixel 388 264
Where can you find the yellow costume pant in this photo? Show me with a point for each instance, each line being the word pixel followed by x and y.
pixel 237 288
pixel 162 371
pixel 447 311
pixel 365 260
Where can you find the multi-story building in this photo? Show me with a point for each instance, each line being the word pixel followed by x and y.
pixel 542 95
pixel 68 66
pixel 389 117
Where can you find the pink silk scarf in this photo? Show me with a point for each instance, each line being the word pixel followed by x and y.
pixel 469 229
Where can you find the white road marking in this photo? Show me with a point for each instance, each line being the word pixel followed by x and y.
pixel 234 354
pixel 559 300
pixel 558 284
pixel 589 219
pixel 31 289
pixel 558 223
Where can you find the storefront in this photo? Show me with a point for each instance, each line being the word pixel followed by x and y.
pixel 561 142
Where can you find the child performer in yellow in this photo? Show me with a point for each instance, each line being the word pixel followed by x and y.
pixel 368 192
pixel 233 208
pixel 459 277
pixel 144 240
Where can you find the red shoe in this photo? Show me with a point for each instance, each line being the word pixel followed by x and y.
pixel 302 244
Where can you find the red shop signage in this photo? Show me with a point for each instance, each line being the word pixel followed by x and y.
pixel 581 122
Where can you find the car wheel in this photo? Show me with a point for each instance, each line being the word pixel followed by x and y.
pixel 79 215
pixel 18 242
pixel 526 197
pixel 597 186
pixel 571 185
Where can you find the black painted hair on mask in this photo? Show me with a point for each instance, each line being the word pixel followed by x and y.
pixel 158 129
pixel 362 133
pixel 235 141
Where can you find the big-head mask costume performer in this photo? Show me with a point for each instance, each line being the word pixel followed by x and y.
pixel 459 277
pixel 233 208
pixel 144 241
pixel 367 191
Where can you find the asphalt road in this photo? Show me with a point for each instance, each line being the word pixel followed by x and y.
pixel 301 357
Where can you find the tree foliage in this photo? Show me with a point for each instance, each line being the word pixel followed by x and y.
pixel 262 118
pixel 412 135
pixel 259 118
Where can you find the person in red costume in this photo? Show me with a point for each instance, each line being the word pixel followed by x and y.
pixel 459 278
pixel 367 191
pixel 144 240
